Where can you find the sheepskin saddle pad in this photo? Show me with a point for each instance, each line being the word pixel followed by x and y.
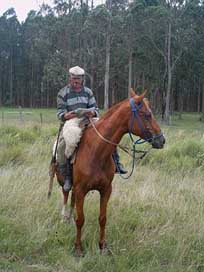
pixel 72 132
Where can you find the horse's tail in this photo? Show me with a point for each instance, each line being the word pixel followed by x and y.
pixel 52 172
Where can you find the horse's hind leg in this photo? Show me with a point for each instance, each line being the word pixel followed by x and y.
pixel 104 197
pixel 79 200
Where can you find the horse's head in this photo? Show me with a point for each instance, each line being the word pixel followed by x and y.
pixel 142 122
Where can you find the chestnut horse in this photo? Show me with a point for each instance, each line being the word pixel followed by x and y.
pixel 94 167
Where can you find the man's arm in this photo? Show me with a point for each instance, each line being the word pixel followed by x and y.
pixel 62 112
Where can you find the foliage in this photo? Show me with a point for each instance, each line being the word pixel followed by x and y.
pixel 36 54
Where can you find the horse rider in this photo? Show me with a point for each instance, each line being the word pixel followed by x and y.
pixel 73 96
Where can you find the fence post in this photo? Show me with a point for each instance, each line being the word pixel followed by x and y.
pixel 2 117
pixel 41 118
pixel 20 115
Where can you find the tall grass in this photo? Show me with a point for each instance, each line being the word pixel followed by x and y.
pixel 155 219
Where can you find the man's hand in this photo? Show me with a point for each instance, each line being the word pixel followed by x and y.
pixel 69 115
pixel 90 114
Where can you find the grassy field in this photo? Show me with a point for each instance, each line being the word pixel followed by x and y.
pixel 155 219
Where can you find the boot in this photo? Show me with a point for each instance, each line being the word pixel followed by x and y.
pixel 66 171
pixel 119 167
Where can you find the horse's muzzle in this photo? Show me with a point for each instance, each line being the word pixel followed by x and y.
pixel 158 141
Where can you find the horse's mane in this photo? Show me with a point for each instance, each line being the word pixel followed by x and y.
pixel 114 107
pixel 110 111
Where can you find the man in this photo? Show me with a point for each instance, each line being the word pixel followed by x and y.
pixel 73 96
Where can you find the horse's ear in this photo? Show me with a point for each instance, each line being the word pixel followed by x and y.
pixel 142 96
pixel 132 93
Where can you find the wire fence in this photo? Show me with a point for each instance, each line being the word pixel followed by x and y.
pixel 24 116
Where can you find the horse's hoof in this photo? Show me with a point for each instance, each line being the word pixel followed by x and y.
pixel 78 253
pixel 65 219
pixel 71 221
pixel 105 250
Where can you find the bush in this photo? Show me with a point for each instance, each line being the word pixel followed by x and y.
pixel 182 155
pixel 19 145
pixel 13 154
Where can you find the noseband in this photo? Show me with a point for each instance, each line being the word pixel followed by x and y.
pixel 135 116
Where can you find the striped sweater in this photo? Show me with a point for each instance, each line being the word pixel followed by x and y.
pixel 69 100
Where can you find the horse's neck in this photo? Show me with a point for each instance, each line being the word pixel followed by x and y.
pixel 111 128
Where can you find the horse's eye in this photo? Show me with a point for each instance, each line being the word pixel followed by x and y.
pixel 139 104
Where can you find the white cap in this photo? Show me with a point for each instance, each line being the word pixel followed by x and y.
pixel 76 71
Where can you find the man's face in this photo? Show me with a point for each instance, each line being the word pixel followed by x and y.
pixel 76 82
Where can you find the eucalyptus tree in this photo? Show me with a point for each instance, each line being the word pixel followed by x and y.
pixel 169 37
pixel 144 43
pixel 94 37
pixel 115 10
pixel 134 42
pixel 118 52
pixel 39 36
pixel 192 61
pixel 54 76
pixel 10 33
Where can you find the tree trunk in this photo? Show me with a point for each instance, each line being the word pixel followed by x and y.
pixel 107 65
pixel 143 80
pixel 180 102
pixel 31 86
pixel 202 108
pixel 108 50
pixel 107 72
pixel 199 97
pixel 47 94
pixel 130 73
pixel 11 78
pixel 70 6
pixel 169 74
pixel 1 89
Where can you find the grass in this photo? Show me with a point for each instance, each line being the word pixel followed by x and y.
pixel 155 219
pixel 21 116
pixel 188 122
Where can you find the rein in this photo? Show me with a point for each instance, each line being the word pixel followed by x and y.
pixel 124 148
pixel 135 115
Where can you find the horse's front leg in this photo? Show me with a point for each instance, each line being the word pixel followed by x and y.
pixel 71 213
pixel 65 199
pixel 104 197
pixel 79 201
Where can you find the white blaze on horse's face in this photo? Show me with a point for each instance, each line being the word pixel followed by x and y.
pixel 151 123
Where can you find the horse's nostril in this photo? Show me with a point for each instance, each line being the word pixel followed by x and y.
pixel 158 142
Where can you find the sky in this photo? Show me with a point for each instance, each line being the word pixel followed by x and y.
pixel 22 7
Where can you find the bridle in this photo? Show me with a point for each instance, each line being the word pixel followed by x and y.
pixel 134 116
